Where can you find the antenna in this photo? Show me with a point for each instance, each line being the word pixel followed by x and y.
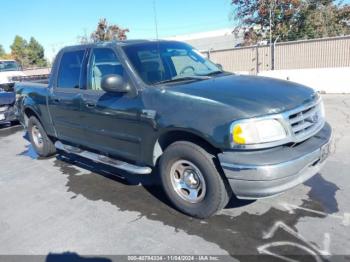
pixel 157 38
pixel 155 18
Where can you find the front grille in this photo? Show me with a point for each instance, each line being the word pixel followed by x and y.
pixel 305 122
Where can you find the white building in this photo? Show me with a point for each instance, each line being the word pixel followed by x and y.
pixel 212 40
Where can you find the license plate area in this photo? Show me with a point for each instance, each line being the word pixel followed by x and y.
pixel 2 117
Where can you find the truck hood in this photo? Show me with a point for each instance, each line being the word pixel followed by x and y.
pixel 250 96
pixel 7 98
pixel 4 76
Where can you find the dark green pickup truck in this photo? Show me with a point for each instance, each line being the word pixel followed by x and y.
pixel 161 105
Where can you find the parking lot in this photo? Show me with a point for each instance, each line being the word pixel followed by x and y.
pixel 65 204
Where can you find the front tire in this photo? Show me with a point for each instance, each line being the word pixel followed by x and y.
pixel 191 180
pixel 41 143
pixel 14 122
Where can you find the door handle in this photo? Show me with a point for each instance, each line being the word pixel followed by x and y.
pixel 56 100
pixel 90 104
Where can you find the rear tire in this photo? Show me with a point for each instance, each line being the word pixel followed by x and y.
pixel 191 180
pixel 41 143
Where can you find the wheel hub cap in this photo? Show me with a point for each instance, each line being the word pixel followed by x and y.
pixel 191 179
pixel 37 137
pixel 187 181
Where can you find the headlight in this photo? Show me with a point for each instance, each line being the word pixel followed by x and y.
pixel 257 132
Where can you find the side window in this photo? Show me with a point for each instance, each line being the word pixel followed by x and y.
pixel 70 69
pixel 103 62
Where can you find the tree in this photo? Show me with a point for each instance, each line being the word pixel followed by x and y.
pixel 3 54
pixel 105 32
pixel 2 51
pixel 36 55
pixel 28 54
pixel 19 50
pixel 326 19
pixel 291 19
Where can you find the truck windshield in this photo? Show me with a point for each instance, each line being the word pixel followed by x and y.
pixel 9 66
pixel 165 62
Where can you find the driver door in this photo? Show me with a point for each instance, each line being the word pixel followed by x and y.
pixel 111 119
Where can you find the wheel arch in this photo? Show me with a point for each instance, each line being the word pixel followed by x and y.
pixel 29 112
pixel 171 136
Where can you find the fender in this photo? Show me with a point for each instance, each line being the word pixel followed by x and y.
pixel 36 107
pixel 169 135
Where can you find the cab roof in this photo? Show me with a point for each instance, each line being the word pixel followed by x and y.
pixel 114 43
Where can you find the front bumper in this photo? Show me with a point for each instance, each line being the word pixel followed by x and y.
pixel 7 114
pixel 264 173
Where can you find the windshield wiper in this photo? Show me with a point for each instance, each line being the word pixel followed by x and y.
pixel 185 78
pixel 214 73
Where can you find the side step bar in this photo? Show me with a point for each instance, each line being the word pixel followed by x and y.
pixel 141 170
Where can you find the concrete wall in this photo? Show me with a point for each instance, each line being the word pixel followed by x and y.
pixel 328 80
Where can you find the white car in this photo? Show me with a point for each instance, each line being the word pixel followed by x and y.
pixel 8 70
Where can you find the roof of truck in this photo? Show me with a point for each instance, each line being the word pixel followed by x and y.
pixel 120 43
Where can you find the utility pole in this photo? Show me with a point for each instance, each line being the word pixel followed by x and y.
pixel 272 51
pixel 270 24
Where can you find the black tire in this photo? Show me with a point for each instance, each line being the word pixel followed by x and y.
pixel 44 149
pixel 14 122
pixel 217 193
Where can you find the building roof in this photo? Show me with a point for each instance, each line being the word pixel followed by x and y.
pixel 212 40
pixel 7 60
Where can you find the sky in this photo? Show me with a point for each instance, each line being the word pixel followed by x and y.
pixel 58 23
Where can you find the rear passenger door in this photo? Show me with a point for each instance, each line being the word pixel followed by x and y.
pixel 65 99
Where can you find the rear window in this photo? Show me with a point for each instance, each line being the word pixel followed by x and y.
pixel 70 69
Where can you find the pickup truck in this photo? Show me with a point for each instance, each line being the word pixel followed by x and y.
pixel 7 112
pixel 143 106
pixel 8 70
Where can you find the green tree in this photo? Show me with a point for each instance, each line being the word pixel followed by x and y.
pixel 19 51
pixel 326 19
pixel 290 19
pixel 105 32
pixel 2 51
pixel 35 52
pixel 28 54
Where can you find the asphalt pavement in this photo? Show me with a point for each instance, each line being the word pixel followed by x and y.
pixel 68 206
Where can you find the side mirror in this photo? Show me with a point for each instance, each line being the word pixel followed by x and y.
pixel 114 84
pixel 220 66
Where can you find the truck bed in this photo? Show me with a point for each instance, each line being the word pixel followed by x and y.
pixel 30 86
pixel 43 79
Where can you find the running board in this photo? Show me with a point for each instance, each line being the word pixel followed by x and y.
pixel 140 170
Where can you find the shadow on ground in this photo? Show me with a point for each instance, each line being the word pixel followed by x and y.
pixel 238 235
pixel 8 129
pixel 73 257
pixel 243 234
